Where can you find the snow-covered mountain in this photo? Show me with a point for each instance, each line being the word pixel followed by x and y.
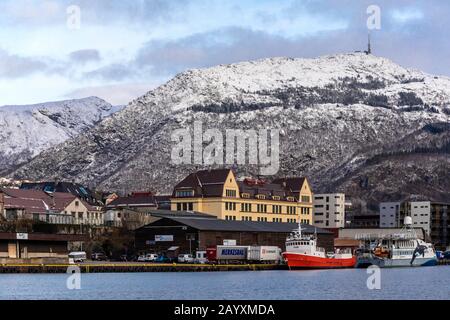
pixel 352 122
pixel 27 130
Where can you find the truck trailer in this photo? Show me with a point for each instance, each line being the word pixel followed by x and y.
pixel 264 254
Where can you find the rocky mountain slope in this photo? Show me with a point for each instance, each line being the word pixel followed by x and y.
pixel 342 119
pixel 27 130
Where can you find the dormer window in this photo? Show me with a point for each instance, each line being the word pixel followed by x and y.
pixel 290 199
pixel 260 196
pixel 276 197
pixel 184 193
pixel 245 195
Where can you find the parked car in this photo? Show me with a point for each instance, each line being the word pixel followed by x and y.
pixel 185 258
pixel 200 257
pixel 149 257
pixel 77 256
pixel 446 254
pixel 164 259
pixel 99 256
pixel 126 258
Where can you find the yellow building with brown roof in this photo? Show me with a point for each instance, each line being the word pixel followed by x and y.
pixel 217 192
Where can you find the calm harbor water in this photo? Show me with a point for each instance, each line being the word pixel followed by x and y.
pixel 400 283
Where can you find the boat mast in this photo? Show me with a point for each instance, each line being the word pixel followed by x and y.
pixel 299 228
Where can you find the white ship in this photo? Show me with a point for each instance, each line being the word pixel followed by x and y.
pixel 399 250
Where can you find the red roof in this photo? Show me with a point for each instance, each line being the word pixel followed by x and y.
pixel 25 194
pixel 33 199
pixel 29 205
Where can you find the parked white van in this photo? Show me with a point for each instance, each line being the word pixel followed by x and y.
pixel 77 256
pixel 200 257
pixel 185 258
pixel 149 257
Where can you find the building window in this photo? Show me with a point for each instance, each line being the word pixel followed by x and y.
pixel 262 208
pixel 276 209
pixel 179 208
pixel 230 193
pixel 246 207
pixel 305 198
pixel 230 206
pixel 184 193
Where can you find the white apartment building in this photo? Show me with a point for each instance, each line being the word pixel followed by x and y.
pixel 392 214
pixel 329 210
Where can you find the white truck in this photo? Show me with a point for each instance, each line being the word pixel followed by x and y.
pixel 264 254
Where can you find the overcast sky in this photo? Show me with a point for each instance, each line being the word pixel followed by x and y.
pixel 125 48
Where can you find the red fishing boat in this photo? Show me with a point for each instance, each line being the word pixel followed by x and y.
pixel 302 252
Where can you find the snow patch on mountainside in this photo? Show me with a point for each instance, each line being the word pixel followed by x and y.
pixel 27 130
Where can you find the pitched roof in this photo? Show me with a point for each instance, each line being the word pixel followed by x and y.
pixel 268 190
pixel 61 187
pixel 294 184
pixel 29 205
pixel 56 201
pixel 208 183
pixel 25 194
pixel 242 226
pixel 133 202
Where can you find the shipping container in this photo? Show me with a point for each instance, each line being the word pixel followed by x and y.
pixel 227 254
pixel 264 254
pixel 232 252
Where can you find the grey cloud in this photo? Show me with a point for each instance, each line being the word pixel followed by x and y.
pixel 418 43
pixel 14 66
pixel 51 12
pixel 113 72
pixel 120 94
pixel 83 56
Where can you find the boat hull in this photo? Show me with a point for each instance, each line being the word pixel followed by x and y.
pixel 302 261
pixel 391 263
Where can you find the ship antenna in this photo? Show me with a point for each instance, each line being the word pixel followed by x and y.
pixel 299 228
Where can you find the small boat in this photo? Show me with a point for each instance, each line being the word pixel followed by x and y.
pixel 302 252
pixel 404 249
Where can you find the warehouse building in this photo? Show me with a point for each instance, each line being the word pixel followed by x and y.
pixel 36 247
pixel 188 233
